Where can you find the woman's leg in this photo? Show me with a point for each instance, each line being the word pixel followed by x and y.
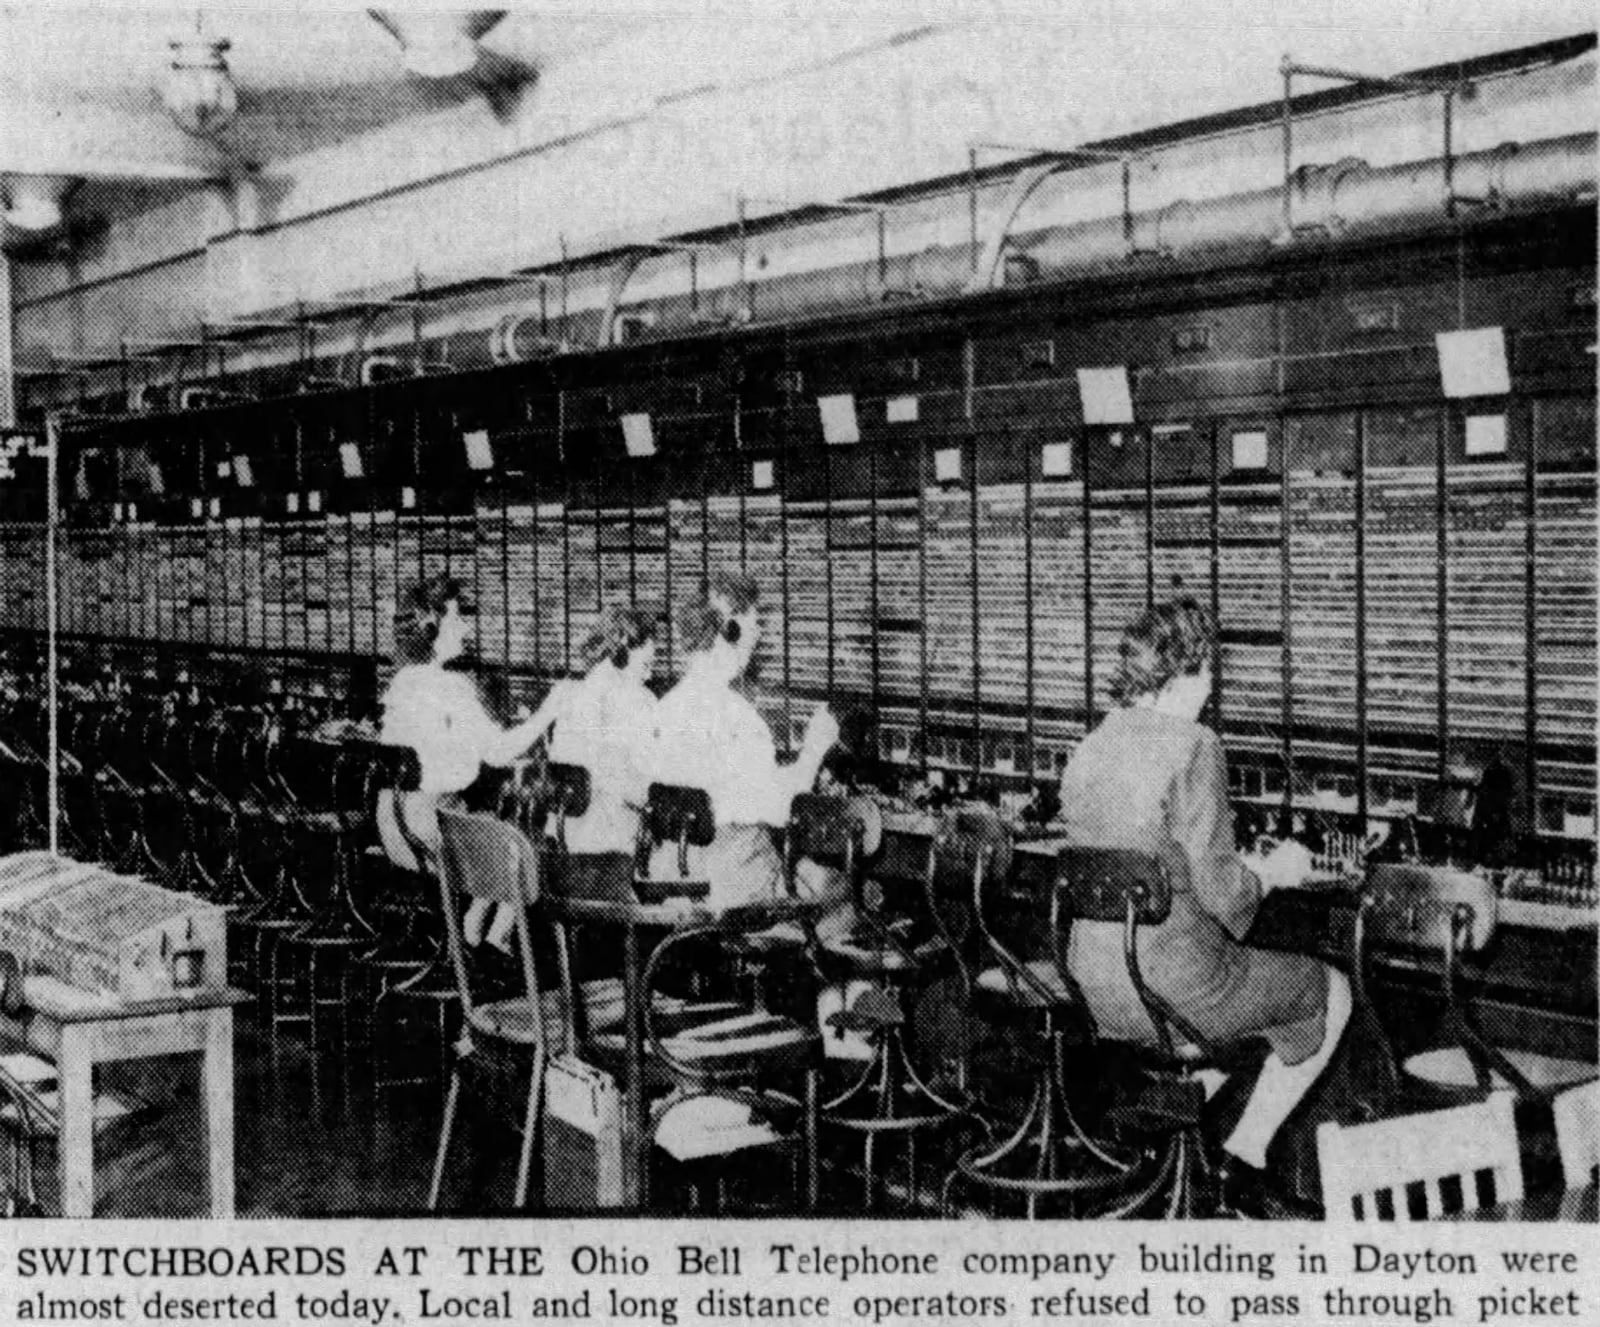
pixel 1281 1087
pixel 476 921
pixel 501 926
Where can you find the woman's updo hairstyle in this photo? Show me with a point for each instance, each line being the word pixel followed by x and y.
pixel 1174 639
pixel 417 616
pixel 619 632
pixel 728 595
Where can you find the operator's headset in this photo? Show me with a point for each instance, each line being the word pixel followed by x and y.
pixel 730 630
pixel 643 631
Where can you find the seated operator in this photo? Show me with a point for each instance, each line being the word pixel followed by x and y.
pixel 1152 778
pixel 710 736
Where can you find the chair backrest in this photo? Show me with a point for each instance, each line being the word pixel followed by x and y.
pixel 484 857
pixel 565 791
pixel 1132 889
pixel 833 830
pixel 308 770
pixel 487 858
pixel 1403 1169
pixel 397 767
pixel 1577 1116
pixel 676 814
pixel 972 849
pixel 1423 907
pixel 970 856
pixel 569 788
pixel 1100 884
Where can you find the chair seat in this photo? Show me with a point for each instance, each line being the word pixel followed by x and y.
pixel 603 1003
pixel 871 1012
pixel 515 1020
pixel 740 1038
pixel 709 1126
pixel 605 1008
pixel 757 944
pixel 1451 1066
pixel 863 948
pixel 1000 981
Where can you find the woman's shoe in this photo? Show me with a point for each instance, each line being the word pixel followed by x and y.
pixel 500 971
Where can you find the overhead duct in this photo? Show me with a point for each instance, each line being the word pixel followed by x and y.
pixel 1346 202
pixel 1343 203
pixel 1052 222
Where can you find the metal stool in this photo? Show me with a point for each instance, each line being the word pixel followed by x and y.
pixel 1119 885
pixel 889 1098
pixel 1447 913
pixel 1047 1154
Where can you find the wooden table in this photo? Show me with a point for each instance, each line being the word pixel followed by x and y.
pixel 78 1030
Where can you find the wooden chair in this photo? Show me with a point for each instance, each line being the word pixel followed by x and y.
pixel 1404 1169
pixel 412 988
pixel 1577 1117
pixel 485 858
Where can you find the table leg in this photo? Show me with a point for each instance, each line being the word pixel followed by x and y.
pixel 75 1070
pixel 216 1074
pixel 635 1125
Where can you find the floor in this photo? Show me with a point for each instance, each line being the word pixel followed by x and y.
pixel 299 1152
pixel 321 1138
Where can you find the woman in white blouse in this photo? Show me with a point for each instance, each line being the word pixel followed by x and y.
pixel 605 722
pixel 710 736
pixel 438 714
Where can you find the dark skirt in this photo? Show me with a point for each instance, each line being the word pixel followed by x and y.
pixel 1227 991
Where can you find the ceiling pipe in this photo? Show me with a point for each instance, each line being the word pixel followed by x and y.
pixel 1069 225
pixel 1346 202
pixel 438 45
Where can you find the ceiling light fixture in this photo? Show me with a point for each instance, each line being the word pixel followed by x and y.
pixel 35 202
pixel 198 90
pixel 438 45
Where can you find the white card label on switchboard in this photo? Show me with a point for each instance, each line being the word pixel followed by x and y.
pixel 839 423
pixel 1472 362
pixel 1486 435
pixel 1106 396
pixel 1250 450
pixel 480 455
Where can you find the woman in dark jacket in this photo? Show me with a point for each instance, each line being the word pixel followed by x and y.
pixel 1151 777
